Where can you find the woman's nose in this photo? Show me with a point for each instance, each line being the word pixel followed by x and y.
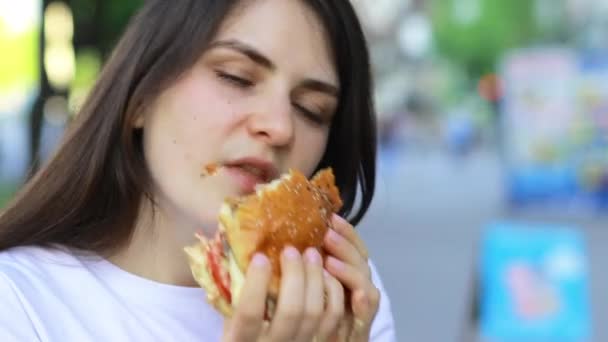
pixel 273 123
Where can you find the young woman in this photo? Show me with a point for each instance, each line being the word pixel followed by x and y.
pixel 91 249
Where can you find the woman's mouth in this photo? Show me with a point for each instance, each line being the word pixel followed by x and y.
pixel 246 177
pixel 246 172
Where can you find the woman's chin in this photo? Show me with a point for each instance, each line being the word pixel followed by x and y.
pixel 203 213
pixel 206 221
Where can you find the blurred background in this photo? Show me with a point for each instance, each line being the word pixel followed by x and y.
pixel 489 219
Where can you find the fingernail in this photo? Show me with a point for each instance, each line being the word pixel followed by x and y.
pixel 259 260
pixel 291 253
pixel 340 219
pixel 312 256
pixel 326 274
pixel 335 263
pixel 333 236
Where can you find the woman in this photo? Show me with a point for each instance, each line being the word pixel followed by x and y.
pixel 92 247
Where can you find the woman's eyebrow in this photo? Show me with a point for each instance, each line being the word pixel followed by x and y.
pixel 247 50
pixel 320 86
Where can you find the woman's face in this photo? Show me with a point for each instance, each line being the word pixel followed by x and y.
pixel 258 102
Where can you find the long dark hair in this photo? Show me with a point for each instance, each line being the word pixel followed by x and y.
pixel 88 194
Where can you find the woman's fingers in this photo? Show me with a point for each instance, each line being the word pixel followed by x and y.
pixel 290 306
pixel 350 276
pixel 248 318
pixel 334 308
pixel 364 312
pixel 365 297
pixel 314 296
pixel 348 263
pixel 344 249
pixel 311 301
pixel 345 229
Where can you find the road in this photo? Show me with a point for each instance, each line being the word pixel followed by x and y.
pixel 422 231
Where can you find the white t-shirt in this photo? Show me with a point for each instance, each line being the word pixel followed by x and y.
pixel 53 295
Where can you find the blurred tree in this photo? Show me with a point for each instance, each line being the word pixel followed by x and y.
pixel 99 23
pixel 97 26
pixel 476 33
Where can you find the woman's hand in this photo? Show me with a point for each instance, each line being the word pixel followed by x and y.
pixel 302 311
pixel 348 262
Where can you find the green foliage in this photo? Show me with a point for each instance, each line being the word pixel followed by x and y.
pixel 101 22
pixel 98 26
pixel 117 14
pixel 477 43
pixel 20 66
pixel 6 192
pixel 88 65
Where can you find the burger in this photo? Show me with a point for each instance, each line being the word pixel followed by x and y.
pixel 289 211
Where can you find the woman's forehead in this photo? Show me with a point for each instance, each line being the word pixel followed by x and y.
pixel 288 32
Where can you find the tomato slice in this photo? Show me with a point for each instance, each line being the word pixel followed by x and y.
pixel 222 279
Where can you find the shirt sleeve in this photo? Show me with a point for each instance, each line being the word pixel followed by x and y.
pixel 15 324
pixel 383 327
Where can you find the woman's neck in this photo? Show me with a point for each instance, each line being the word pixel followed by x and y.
pixel 156 251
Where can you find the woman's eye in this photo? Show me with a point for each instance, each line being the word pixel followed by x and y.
pixel 234 80
pixel 316 118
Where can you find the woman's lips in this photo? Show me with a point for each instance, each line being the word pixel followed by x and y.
pixel 246 180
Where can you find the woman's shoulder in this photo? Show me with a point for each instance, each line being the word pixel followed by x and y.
pixel 37 254
pixel 15 321
pixel 42 274
pixel 39 285
pixel 27 261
